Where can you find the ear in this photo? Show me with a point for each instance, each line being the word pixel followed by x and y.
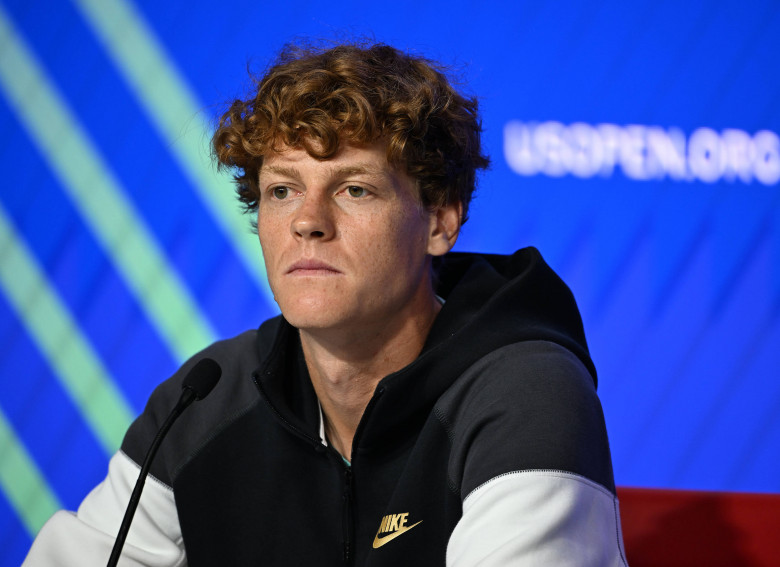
pixel 444 229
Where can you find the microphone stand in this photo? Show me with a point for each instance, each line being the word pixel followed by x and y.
pixel 188 396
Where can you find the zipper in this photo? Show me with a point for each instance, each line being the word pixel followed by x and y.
pixel 347 516
pixel 347 513
pixel 347 528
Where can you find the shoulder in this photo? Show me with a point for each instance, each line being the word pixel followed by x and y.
pixel 530 405
pixel 234 356
pixel 537 375
pixel 234 394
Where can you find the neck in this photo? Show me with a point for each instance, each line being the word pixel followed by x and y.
pixel 346 367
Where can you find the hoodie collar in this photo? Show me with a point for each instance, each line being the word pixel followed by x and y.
pixel 491 301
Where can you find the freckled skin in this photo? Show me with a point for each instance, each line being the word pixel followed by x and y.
pixel 358 215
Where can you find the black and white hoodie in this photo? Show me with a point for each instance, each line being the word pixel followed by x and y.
pixel 489 449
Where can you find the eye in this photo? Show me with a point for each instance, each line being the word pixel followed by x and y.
pixel 280 192
pixel 356 191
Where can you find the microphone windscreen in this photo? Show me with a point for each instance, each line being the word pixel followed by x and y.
pixel 203 377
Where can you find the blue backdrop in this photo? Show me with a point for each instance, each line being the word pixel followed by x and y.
pixel 634 143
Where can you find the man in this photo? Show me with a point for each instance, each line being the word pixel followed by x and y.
pixel 411 406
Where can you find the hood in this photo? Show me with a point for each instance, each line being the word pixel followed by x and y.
pixel 491 301
pixel 494 300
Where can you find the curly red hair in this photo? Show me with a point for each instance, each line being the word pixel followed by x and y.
pixel 318 99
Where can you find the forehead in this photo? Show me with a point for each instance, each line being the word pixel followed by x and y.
pixel 368 160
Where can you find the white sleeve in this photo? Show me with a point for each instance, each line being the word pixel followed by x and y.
pixel 85 539
pixel 532 518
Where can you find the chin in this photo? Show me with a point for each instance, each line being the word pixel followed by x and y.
pixel 310 313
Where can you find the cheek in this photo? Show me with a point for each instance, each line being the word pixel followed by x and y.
pixel 270 236
pixel 268 227
pixel 399 244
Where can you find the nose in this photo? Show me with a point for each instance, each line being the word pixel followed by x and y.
pixel 314 218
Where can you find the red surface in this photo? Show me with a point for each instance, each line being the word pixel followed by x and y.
pixel 664 528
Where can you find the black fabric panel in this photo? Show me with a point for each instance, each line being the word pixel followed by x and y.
pixel 260 495
pixel 231 397
pixel 507 299
pixel 410 479
pixel 528 406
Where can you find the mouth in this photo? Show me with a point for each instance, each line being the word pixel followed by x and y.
pixel 311 268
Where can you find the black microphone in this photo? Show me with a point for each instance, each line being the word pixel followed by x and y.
pixel 196 385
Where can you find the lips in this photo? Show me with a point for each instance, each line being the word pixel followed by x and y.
pixel 311 267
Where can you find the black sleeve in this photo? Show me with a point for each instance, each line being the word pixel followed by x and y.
pixel 527 406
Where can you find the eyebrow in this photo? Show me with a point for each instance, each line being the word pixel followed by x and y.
pixel 279 170
pixel 341 171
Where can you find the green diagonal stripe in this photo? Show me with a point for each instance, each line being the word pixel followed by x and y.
pixel 23 484
pixel 176 114
pixel 58 337
pixel 99 197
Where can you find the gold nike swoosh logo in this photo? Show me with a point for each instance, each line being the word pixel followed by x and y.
pixel 380 541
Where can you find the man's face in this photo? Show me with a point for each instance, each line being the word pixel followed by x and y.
pixel 346 241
